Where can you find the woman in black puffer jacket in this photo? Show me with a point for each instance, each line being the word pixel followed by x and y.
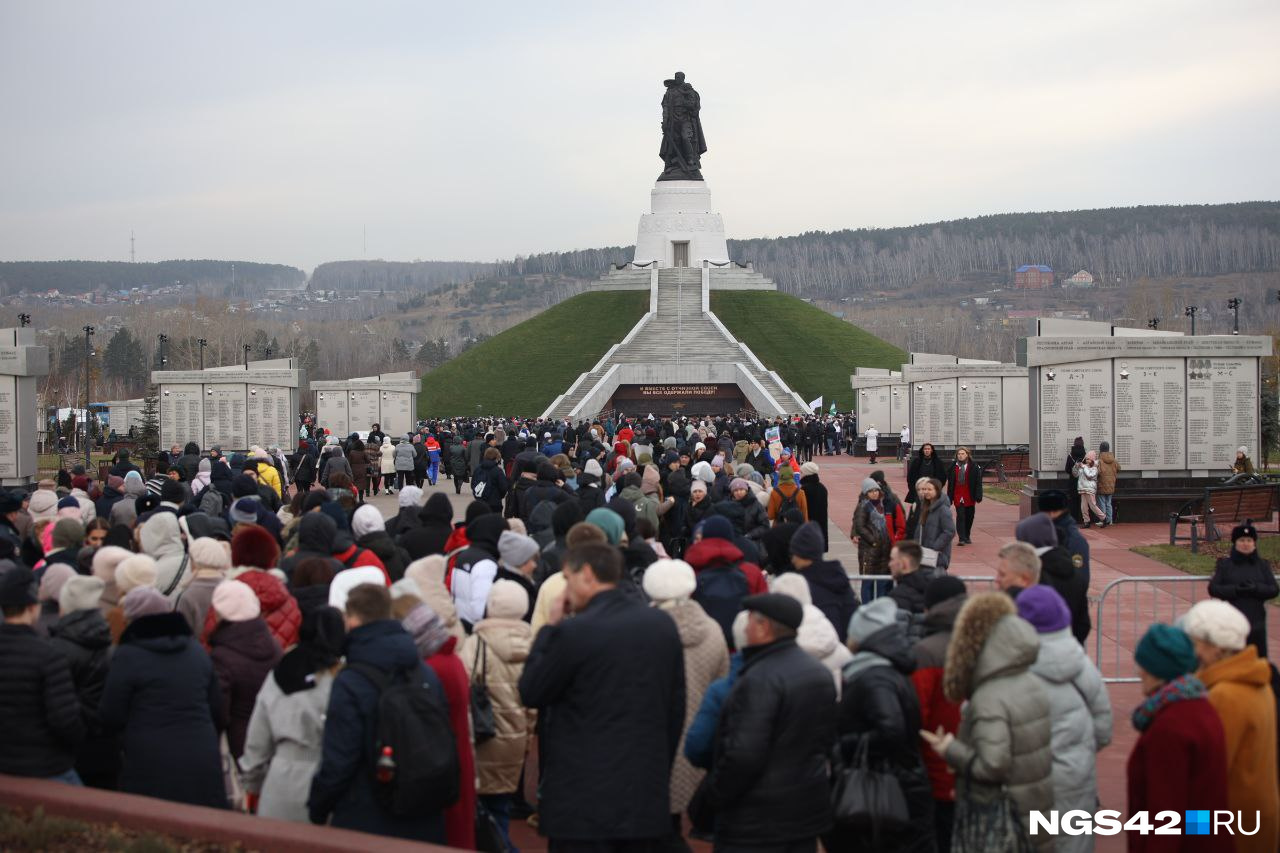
pixel 879 710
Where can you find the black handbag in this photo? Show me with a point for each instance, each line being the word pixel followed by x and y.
pixel 986 820
pixel 864 798
pixel 484 726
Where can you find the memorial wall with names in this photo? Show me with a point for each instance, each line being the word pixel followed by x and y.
pixel 9 442
pixel 933 412
pixel 269 416
pixel 970 404
pixel 1175 403
pixel 181 415
pixel 232 407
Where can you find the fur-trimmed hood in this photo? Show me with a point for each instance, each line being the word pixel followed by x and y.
pixel 988 640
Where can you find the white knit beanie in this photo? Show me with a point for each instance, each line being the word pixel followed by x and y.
pixel 235 601
pixel 138 570
pixel 208 553
pixel 669 580
pixel 81 593
pixel 1218 623
pixel 794 585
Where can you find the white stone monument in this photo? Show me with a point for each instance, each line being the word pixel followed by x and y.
pixel 232 407
pixel 344 406
pixel 880 399
pixel 682 229
pixel 972 404
pixel 21 362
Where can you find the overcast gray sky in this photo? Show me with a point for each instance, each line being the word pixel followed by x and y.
pixel 277 131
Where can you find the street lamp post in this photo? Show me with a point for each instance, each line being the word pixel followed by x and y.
pixel 1190 311
pixel 1234 304
pixel 164 358
pixel 88 375
pixel 203 343
pixel 247 347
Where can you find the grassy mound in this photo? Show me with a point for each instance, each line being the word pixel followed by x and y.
pixel 524 369
pixel 814 352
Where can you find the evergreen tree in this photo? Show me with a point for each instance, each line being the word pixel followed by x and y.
pixel 399 352
pixel 311 358
pixel 124 359
pixel 432 354
pixel 149 429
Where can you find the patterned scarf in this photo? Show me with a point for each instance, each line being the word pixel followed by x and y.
pixel 1179 690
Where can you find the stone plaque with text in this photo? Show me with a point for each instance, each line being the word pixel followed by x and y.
pixel 1075 400
pixel 1150 413
pixel 1222 410
pixel 934 412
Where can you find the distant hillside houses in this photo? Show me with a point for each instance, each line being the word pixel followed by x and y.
pixel 1081 279
pixel 1032 277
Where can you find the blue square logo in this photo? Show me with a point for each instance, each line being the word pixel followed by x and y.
pixel 1197 822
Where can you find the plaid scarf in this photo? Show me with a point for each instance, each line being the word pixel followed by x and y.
pixel 1179 690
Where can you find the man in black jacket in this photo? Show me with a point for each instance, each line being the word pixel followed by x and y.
pixel 39 710
pixel 828 583
pixel 768 785
pixel 1054 504
pixel 610 682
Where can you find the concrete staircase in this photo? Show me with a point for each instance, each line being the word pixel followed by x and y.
pixel 676 334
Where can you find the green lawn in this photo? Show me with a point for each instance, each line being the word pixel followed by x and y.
pixel 1000 494
pixel 524 369
pixel 813 351
pixel 1181 558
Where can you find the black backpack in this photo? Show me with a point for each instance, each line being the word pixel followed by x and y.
pixel 787 504
pixel 720 592
pixel 413 720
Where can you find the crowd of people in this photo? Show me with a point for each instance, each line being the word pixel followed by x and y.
pixel 637 619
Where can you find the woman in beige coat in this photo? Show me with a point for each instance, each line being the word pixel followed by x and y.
pixel 495 654
pixel 428 575
pixel 669 584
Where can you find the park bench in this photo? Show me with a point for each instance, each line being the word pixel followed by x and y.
pixel 1004 464
pixel 1225 506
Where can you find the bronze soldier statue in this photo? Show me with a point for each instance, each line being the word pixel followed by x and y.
pixel 682 141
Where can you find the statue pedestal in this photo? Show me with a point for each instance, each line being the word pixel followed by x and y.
pixel 681 214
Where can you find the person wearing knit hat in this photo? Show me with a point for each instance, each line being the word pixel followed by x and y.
pixel 670 580
pixel 609 522
pixel 51 582
pixel 669 585
pixel 43 505
pixel 66 541
pixel 243 653
pixel 161 681
pixel 808 468
pixel 517 560
pixel 698 486
pixel 807 542
pixel 428 574
pixel 509 601
pixel 81 593
pixel 1242 464
pixel 1238 683
pixel 702 471
pixel 135 571
pixel 252 545
pixel 209 565
pixel 1178 729
pixel 348 579
pixel 234 601
pixel 144 601
pixel 1078 699
pixel 878 676
pixel 593 468
pixel 941 589
pixel 816 635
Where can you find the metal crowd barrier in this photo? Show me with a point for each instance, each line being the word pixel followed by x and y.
pixel 1128 606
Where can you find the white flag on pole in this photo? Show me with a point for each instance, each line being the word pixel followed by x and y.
pixel 814 405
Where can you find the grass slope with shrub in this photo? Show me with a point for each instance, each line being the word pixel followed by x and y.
pixel 522 370
pixel 813 351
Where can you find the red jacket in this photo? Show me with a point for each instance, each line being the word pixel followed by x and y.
pixel 365 557
pixel 279 609
pixel 459 818
pixel 1180 763
pixel 895 523
pixel 711 553
pixel 935 709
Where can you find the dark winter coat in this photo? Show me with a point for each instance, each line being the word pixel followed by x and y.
pixel 110 497
pixel 610 682
pixel 189 462
pixel 433 531
pixel 84 638
pixel 406 519
pixel 395 559
pixel 163 694
pixel 343 785
pixel 777 546
pixel 815 495
pixel 489 484
pixel 1070 537
pixel 1058 570
pixel 1248 583
pixel 316 533
pixel 243 654
pixel 39 714
pixel 879 706
pixel 921 467
pixel 358 460
pixel 768 785
pixel 831 593
pixel 938 531
pixel 874 544
pixel 908 592
pixel 457 460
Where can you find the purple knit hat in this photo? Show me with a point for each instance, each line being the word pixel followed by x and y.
pixel 1044 608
